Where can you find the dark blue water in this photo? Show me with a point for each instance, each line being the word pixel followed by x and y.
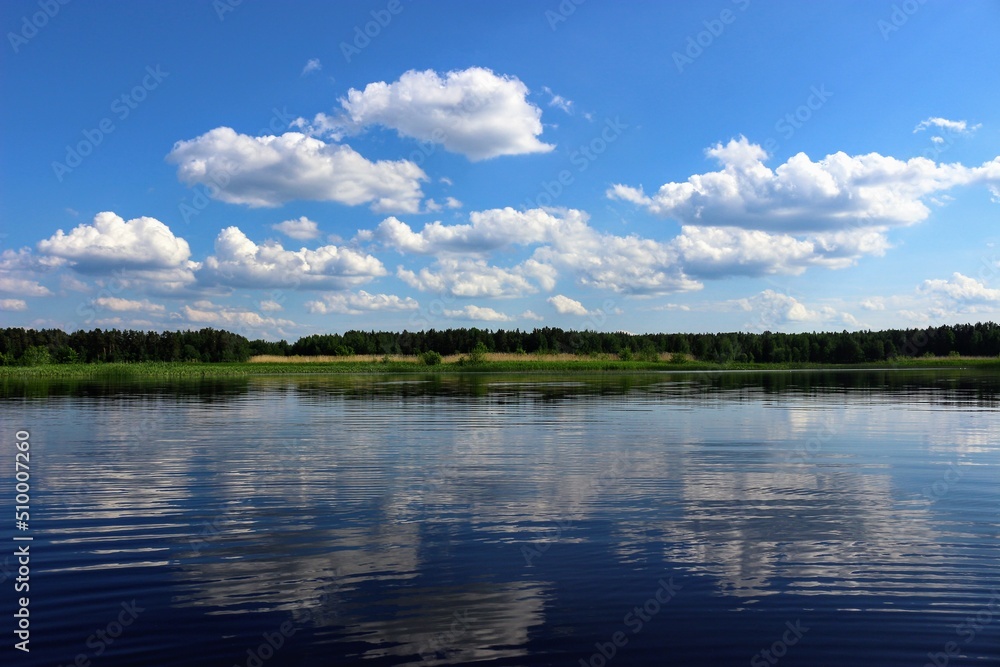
pixel 741 519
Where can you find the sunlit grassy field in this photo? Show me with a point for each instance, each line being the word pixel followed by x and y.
pixel 490 363
pixel 414 359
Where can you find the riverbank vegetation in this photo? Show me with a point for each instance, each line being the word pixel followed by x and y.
pixel 400 365
pixel 113 353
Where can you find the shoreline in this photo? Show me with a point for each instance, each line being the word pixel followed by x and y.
pixel 375 366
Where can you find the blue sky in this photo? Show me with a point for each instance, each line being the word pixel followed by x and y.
pixel 286 169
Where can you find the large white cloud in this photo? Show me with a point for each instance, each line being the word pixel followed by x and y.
pixel 628 264
pixel 476 278
pixel 142 254
pixel 837 192
pixel 474 112
pixel 961 288
pixel 234 319
pixel 239 262
pixel 271 170
pixel 112 243
pixel 565 241
pixel 940 301
pixel 773 310
pixel 359 302
pixel 724 251
pixel 488 231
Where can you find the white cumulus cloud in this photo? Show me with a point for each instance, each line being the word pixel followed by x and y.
pixel 13 304
pixel 119 304
pixel 488 231
pixel 567 306
pixel 302 229
pixel 270 306
pixel 961 288
pixel 239 262
pixel 473 111
pixel 22 286
pixel 477 314
pixel 206 313
pixel 774 311
pixel 477 278
pixel 626 264
pixel 360 302
pixel 837 192
pixel 271 170
pixel 111 242
pixel 565 241
pixel 726 251
pixel 531 316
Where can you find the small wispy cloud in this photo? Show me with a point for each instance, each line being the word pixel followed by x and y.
pixel 558 101
pixel 270 306
pixel 302 229
pixel 313 65
pixel 477 314
pixel 955 126
pixel 431 206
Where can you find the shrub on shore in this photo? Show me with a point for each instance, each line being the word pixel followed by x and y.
pixel 430 358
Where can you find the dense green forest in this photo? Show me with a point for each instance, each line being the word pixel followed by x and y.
pixel 29 347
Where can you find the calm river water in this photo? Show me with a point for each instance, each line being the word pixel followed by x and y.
pixel 813 518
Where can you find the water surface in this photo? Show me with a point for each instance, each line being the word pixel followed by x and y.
pixel 847 518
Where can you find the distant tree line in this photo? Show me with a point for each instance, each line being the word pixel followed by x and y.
pixel 981 339
pixel 30 347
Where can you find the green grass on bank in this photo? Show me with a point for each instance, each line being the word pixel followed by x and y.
pixel 126 371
